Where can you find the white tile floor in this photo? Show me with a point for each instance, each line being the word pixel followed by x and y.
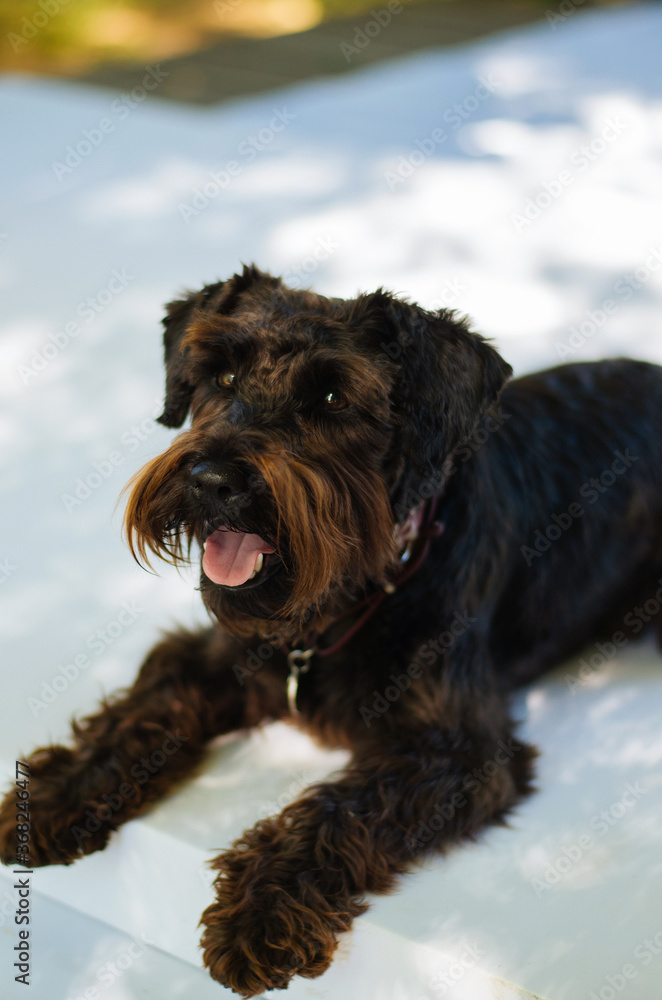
pixel 537 913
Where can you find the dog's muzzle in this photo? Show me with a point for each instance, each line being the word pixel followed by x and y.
pixel 231 557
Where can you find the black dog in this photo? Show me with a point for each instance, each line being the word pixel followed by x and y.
pixel 399 544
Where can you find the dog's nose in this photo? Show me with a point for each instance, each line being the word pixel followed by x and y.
pixel 218 485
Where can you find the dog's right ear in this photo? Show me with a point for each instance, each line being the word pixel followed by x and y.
pixel 176 321
pixel 448 377
pixel 220 297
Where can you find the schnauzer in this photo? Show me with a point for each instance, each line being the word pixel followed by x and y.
pixel 390 545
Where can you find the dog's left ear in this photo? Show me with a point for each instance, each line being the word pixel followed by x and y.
pixel 448 378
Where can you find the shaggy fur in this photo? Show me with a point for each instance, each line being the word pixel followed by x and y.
pixel 326 429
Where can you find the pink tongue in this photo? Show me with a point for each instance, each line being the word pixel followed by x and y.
pixel 230 556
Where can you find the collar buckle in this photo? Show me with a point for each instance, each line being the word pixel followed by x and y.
pixel 298 660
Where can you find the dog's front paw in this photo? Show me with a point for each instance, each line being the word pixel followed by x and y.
pixel 273 917
pixel 263 943
pixel 61 829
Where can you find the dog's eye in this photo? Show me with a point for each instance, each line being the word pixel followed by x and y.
pixel 334 401
pixel 225 380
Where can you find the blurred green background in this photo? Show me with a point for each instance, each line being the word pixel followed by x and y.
pixel 71 37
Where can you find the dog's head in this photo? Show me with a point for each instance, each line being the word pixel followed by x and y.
pixel 311 420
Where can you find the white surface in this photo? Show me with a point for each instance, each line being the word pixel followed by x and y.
pixel 78 955
pixel 445 235
pixel 75 954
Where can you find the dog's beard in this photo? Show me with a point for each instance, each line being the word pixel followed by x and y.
pixel 325 529
pixel 334 522
pixel 159 518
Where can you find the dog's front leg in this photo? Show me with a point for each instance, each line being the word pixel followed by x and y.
pixel 294 882
pixel 192 686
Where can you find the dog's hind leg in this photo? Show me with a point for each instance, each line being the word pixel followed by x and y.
pixel 191 687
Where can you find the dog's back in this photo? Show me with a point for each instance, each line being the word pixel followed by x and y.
pixel 575 475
